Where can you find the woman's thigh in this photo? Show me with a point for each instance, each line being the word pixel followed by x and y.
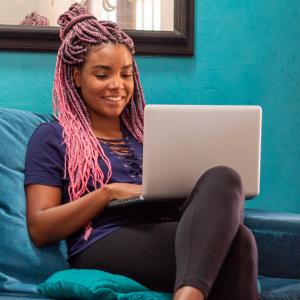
pixel 143 252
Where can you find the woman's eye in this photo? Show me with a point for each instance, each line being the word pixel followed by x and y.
pixel 101 76
pixel 126 75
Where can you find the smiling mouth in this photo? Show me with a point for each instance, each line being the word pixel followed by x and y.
pixel 113 99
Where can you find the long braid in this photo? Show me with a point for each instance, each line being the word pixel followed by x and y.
pixel 79 31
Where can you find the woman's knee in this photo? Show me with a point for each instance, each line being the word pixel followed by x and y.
pixel 223 176
pixel 220 190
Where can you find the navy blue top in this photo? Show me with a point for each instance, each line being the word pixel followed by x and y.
pixel 45 165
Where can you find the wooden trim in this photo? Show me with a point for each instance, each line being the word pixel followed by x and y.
pixel 177 42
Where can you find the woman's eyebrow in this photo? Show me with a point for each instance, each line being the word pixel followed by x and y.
pixel 128 66
pixel 101 67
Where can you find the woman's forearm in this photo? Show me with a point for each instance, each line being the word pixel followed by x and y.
pixel 56 223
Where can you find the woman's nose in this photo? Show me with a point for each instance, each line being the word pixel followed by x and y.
pixel 116 83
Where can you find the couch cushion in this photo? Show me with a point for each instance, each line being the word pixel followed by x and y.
pixel 86 284
pixel 279 288
pixel 22 265
pixel 19 296
pixel 278 242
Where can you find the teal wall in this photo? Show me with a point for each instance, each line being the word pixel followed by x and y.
pixel 247 52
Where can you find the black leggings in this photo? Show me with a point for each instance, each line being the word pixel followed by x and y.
pixel 208 247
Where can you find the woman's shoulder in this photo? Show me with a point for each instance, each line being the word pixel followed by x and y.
pixel 48 129
pixel 49 133
pixel 44 161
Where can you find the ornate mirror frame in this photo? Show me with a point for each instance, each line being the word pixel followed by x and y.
pixel 177 42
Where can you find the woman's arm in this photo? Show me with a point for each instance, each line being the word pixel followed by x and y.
pixel 50 221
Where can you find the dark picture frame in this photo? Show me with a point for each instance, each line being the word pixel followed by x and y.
pixel 177 42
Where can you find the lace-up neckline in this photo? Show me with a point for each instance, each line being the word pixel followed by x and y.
pixel 123 150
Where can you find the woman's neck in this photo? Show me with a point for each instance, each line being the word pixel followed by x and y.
pixel 107 128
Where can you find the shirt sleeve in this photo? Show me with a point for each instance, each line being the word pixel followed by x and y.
pixel 44 163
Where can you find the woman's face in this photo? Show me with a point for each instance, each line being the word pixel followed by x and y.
pixel 106 80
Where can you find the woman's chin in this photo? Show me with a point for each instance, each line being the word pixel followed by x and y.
pixel 113 113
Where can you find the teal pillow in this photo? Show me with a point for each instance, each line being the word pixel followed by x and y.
pixel 22 265
pixel 95 284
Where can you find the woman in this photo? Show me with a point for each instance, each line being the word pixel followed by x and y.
pixel 92 154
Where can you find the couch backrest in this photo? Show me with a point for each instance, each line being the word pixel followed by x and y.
pixel 22 265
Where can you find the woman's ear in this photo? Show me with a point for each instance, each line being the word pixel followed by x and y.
pixel 76 77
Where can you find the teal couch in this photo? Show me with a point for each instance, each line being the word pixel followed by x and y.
pixel 23 266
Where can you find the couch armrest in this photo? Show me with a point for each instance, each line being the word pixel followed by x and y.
pixel 278 240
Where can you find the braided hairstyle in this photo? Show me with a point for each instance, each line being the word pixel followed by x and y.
pixel 78 32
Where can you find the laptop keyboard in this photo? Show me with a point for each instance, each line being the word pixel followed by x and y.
pixel 124 202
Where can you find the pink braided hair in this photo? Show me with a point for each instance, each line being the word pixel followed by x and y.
pixel 78 31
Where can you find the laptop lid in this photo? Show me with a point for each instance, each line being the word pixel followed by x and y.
pixel 182 141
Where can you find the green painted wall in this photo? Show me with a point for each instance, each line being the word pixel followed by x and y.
pixel 247 52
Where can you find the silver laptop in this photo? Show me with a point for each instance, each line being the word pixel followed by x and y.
pixel 181 142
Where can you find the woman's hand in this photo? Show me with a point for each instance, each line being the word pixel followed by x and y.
pixel 123 190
